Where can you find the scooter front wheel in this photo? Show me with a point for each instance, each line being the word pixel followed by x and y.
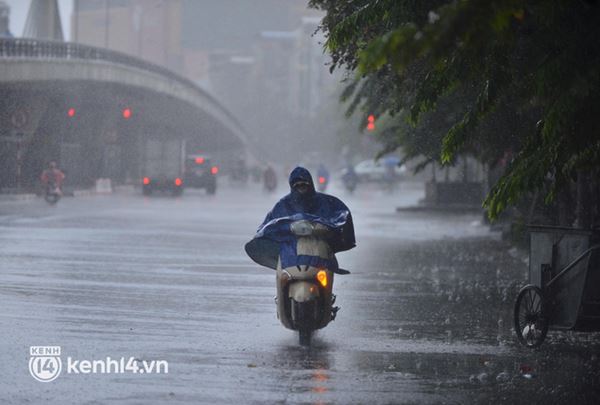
pixel 304 336
pixel 51 198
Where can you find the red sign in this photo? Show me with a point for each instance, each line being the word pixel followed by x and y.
pixel 19 118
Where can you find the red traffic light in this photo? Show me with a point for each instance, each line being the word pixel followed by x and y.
pixel 127 113
pixel 371 123
pixel 71 112
pixel 199 160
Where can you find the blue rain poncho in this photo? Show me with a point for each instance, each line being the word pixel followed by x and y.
pixel 274 238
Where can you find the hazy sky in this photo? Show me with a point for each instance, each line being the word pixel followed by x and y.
pixel 18 15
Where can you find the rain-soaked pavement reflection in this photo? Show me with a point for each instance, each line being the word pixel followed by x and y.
pixel 426 314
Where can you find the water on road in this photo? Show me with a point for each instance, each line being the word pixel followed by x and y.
pixel 426 313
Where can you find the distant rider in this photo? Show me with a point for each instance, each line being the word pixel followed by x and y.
pixel 350 178
pixel 270 179
pixel 322 177
pixel 53 177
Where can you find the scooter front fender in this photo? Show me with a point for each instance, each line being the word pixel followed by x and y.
pixel 302 291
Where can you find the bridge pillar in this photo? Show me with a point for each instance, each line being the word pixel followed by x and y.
pixel 20 117
pixel 90 146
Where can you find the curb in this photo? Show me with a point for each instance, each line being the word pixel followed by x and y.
pixel 442 208
pixel 86 192
pixel 17 197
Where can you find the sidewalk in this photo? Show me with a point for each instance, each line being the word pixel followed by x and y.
pixel 17 197
pixel 84 192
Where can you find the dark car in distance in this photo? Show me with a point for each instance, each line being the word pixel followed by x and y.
pixel 200 172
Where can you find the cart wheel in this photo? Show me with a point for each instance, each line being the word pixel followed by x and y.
pixel 531 322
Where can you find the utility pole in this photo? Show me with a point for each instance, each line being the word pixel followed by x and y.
pixel 106 21
pixel 75 35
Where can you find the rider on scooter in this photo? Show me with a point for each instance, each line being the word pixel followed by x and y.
pixel 270 179
pixel 299 239
pixel 302 199
pixel 53 176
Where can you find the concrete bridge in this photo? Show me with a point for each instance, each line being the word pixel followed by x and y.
pixel 91 108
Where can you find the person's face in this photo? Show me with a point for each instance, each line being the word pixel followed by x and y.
pixel 302 187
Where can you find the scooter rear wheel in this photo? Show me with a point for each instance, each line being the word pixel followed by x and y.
pixel 304 336
pixel 51 198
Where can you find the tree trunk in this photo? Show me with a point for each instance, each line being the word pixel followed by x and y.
pixel 595 199
pixel 584 203
pixel 564 206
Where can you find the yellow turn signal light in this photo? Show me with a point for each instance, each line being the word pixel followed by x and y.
pixel 322 277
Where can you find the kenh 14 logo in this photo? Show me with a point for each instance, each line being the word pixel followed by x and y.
pixel 45 364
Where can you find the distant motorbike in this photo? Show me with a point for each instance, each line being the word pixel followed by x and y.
pixel 304 291
pixel 322 183
pixel 52 194
pixel 350 179
pixel 270 180
pixel 322 178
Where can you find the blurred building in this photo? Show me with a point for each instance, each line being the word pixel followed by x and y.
pixel 43 21
pixel 4 20
pixel 148 29
pixel 259 58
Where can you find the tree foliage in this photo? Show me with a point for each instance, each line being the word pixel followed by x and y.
pixel 474 76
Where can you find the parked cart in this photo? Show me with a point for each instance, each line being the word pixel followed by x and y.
pixel 564 284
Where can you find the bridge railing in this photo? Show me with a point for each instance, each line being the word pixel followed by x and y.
pixel 44 49
pixel 33 48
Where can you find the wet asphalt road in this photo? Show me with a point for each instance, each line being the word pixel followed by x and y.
pixel 426 314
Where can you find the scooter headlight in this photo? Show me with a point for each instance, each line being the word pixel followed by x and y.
pixel 322 277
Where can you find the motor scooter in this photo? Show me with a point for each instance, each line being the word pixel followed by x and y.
pixel 53 193
pixel 270 180
pixel 304 293
pixel 305 299
pixel 322 183
pixel 350 180
pixel 322 178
